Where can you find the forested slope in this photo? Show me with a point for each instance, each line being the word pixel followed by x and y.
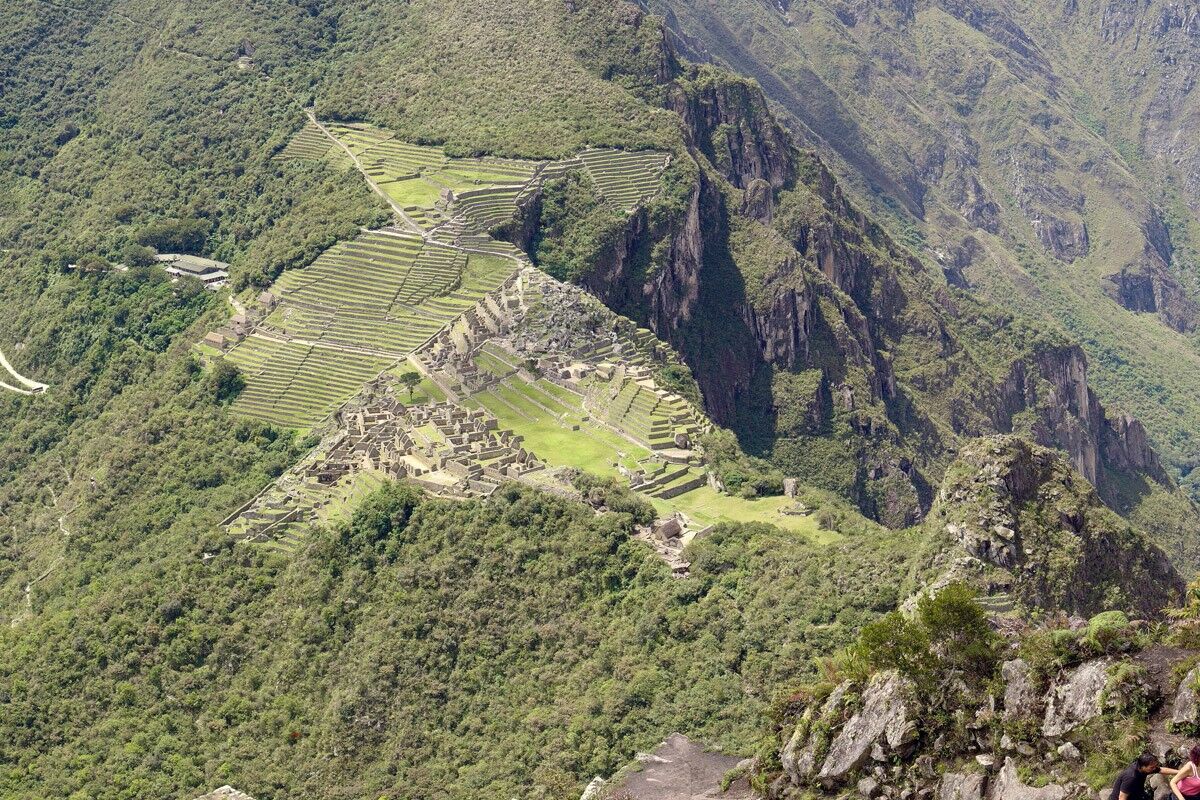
pixel 476 649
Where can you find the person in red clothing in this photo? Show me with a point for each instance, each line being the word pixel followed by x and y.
pixel 1186 783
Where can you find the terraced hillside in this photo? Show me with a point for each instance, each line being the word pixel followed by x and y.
pixel 296 384
pixel 360 307
pixel 311 144
pixel 365 304
pixel 625 179
pixel 505 350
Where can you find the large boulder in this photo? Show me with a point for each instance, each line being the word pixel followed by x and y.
pixel 885 722
pixel 680 769
pixel 962 786
pixel 800 755
pixel 1021 699
pixel 1008 786
pixel 1185 712
pixel 1076 698
pixel 225 793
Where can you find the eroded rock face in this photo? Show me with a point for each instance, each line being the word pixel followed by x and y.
pixel 988 503
pixel 730 120
pixel 799 756
pixel 1008 786
pixel 962 786
pixel 1021 699
pixel 885 721
pixel 1076 698
pixel 1185 712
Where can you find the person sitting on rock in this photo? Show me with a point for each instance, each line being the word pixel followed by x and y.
pixel 1131 783
pixel 1186 783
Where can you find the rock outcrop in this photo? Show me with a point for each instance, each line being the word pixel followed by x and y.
pixel 972 743
pixel 1077 698
pixel 1021 700
pixel 678 769
pixel 1022 509
pixel 962 786
pixel 1008 786
pixel 1185 710
pixel 225 793
pixel 881 727
pixel 884 725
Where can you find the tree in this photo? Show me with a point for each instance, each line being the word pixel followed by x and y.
pixel 175 235
pixel 91 263
pixel 135 255
pixel 227 381
pixel 409 380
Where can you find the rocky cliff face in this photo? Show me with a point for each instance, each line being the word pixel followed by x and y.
pixel 1041 155
pixel 805 323
pixel 1022 510
pixel 1052 716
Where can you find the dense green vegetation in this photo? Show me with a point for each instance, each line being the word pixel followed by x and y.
pixel 427 647
pixel 576 230
pixel 424 648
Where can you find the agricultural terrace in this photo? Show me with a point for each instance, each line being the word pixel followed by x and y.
pixel 365 304
pixel 361 307
pixel 295 384
pixel 292 505
pixel 311 144
pixel 430 186
pixel 556 425
pixel 625 179
pixel 478 194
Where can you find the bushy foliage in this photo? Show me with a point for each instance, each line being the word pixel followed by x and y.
pixel 1052 647
pixel 738 471
pixel 948 637
pixel 577 231
pixel 227 381
pixel 514 647
pixel 610 494
pixel 175 235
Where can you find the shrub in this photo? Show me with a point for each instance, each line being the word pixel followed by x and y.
pixel 1047 650
pixel 227 381
pixel 896 642
pixel 1108 632
pixel 175 235
pixel 959 631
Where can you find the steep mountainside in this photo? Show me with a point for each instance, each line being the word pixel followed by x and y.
pixel 209 573
pixel 827 345
pixel 1032 527
pixel 1038 152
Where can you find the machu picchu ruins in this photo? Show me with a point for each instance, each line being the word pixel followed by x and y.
pixel 524 377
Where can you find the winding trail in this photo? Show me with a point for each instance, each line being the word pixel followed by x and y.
pixel 31 386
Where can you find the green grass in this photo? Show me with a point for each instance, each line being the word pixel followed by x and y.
pixel 425 392
pixel 491 364
pixel 707 507
pixel 383 293
pixel 412 192
pixel 590 448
